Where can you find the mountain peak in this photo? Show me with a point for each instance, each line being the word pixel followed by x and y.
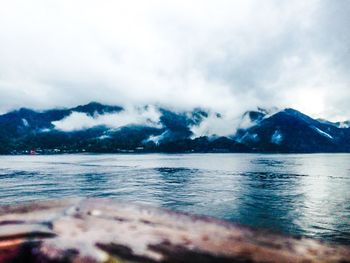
pixel 96 107
pixel 297 114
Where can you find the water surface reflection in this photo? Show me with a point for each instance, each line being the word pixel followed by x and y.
pixel 306 195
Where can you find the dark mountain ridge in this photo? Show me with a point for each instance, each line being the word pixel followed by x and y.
pixel 164 130
pixel 292 131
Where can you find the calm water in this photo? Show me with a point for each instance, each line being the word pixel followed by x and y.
pixel 306 195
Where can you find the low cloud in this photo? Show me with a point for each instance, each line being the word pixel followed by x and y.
pixel 215 125
pixel 148 116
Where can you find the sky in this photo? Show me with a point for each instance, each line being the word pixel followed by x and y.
pixel 225 55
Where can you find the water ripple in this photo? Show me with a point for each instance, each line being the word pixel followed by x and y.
pixel 304 195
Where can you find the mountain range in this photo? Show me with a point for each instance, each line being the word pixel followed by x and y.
pixel 99 128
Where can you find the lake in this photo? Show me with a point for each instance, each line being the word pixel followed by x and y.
pixel 303 195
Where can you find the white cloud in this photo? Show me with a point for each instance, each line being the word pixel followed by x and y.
pixel 214 125
pixel 131 116
pixel 225 55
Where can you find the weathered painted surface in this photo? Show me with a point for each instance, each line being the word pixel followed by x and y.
pixel 103 230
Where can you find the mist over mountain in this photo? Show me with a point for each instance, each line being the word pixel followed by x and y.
pixel 96 127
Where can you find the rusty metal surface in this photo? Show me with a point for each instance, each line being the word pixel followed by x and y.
pixel 103 230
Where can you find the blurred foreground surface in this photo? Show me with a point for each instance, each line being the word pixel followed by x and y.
pixel 106 230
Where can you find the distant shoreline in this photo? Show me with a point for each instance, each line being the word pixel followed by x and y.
pixel 171 153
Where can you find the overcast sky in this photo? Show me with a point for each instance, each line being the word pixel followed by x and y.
pixel 224 55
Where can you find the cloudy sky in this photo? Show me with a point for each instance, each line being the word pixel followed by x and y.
pixel 224 55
